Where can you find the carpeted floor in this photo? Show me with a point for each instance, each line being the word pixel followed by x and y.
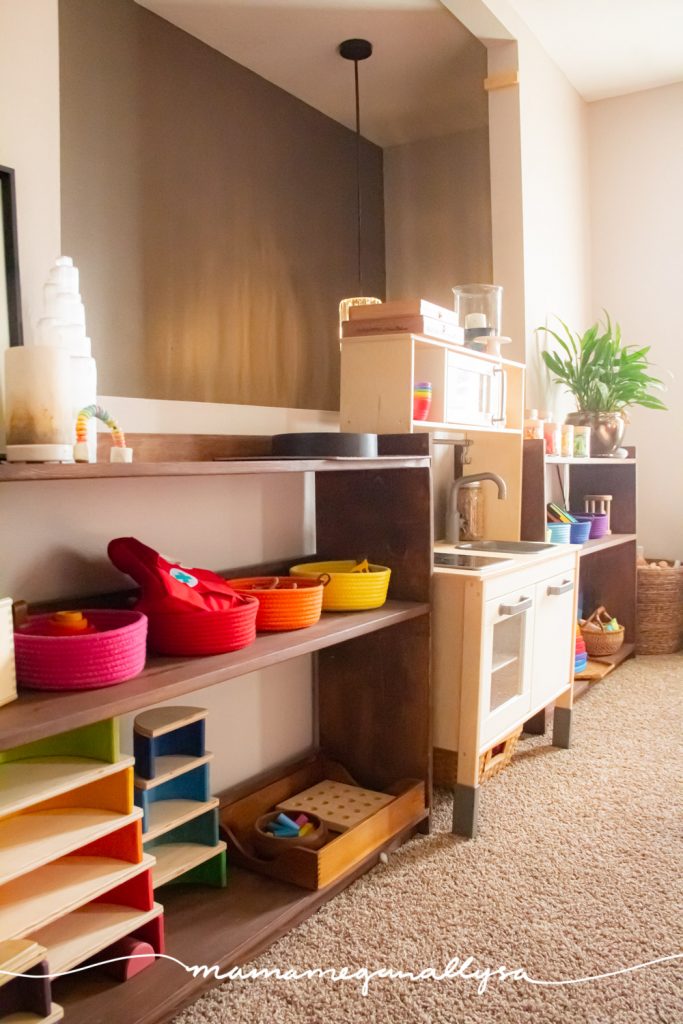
pixel 576 872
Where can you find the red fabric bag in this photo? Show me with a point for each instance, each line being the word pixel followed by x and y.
pixel 174 597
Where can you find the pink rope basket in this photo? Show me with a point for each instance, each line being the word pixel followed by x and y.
pixel 113 654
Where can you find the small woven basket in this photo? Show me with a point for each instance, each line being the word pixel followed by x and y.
pixel 659 610
pixel 602 643
pixel 284 603
pixel 346 590
pixel 197 632
pixel 114 653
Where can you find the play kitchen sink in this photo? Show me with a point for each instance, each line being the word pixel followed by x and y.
pixel 512 547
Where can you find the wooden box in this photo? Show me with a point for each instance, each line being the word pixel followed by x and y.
pixel 315 869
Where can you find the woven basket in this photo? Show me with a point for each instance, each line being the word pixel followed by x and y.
pixel 284 603
pixel 348 591
pixel 197 632
pixel 113 654
pixel 498 757
pixel 604 643
pixel 659 610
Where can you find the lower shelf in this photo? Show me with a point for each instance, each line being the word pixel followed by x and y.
pixel 82 934
pixel 246 917
pixel 624 652
pixel 174 859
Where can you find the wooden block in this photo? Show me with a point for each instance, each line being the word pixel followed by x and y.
pixel 169 766
pixel 131 956
pixel 18 956
pixel 111 792
pixel 29 995
pixel 27 841
pixel 192 785
pixel 32 781
pixel 404 307
pixel 99 740
pixel 169 814
pixel 81 935
pixel 175 862
pixel 428 326
pixel 340 806
pixel 202 829
pixel 158 721
pixel 36 900
pixel 186 740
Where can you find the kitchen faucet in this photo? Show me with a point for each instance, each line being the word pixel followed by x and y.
pixel 452 514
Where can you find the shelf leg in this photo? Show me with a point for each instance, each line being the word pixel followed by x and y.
pixel 562 727
pixel 465 810
pixel 536 725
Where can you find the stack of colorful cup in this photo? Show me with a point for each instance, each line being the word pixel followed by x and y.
pixel 580 656
pixel 422 400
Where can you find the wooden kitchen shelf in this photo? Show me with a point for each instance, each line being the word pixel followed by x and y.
pixel 21 472
pixel 36 715
pixel 612 540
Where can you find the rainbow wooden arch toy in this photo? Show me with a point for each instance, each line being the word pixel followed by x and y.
pixel 118 453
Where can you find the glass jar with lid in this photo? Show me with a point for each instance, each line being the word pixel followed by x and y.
pixel 471 511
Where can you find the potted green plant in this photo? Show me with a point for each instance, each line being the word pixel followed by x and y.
pixel 605 377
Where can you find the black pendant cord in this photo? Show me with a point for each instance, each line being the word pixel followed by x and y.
pixel 355 50
pixel 359 203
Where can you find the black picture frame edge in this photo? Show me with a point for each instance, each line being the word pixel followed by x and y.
pixel 11 245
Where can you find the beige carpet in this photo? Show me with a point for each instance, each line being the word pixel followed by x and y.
pixel 576 872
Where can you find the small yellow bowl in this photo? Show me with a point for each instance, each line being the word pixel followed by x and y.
pixel 345 590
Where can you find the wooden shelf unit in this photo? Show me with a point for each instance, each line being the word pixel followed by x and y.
pixel 608 564
pixel 365 663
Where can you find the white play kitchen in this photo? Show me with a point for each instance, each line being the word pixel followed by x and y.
pixel 503 650
pixel 504 610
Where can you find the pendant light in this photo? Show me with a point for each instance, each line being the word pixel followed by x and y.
pixel 356 50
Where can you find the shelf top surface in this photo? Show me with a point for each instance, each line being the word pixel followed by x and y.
pixel 25 471
pixel 566 460
pixel 36 715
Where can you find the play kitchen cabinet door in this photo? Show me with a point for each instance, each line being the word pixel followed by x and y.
pixel 553 638
pixel 506 671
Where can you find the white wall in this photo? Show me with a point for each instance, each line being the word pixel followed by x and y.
pixel 636 177
pixel 539 165
pixel 29 141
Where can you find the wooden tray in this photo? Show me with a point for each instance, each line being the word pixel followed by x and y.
pixel 315 869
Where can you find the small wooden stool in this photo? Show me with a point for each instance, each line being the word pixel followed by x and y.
pixel 600 504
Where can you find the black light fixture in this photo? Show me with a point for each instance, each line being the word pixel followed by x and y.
pixel 356 50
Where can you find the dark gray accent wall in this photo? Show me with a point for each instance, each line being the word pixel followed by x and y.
pixel 212 216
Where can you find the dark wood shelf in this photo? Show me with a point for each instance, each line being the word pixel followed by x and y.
pixel 23 472
pixel 36 715
pixel 612 540
pixel 225 927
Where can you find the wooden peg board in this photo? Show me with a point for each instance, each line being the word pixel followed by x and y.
pixel 340 806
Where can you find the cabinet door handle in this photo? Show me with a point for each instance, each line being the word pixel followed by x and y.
pixel 503 394
pixel 522 605
pixel 564 588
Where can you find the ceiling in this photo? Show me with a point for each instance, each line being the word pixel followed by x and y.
pixel 610 47
pixel 424 79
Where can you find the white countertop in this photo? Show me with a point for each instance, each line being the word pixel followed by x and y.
pixel 510 562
